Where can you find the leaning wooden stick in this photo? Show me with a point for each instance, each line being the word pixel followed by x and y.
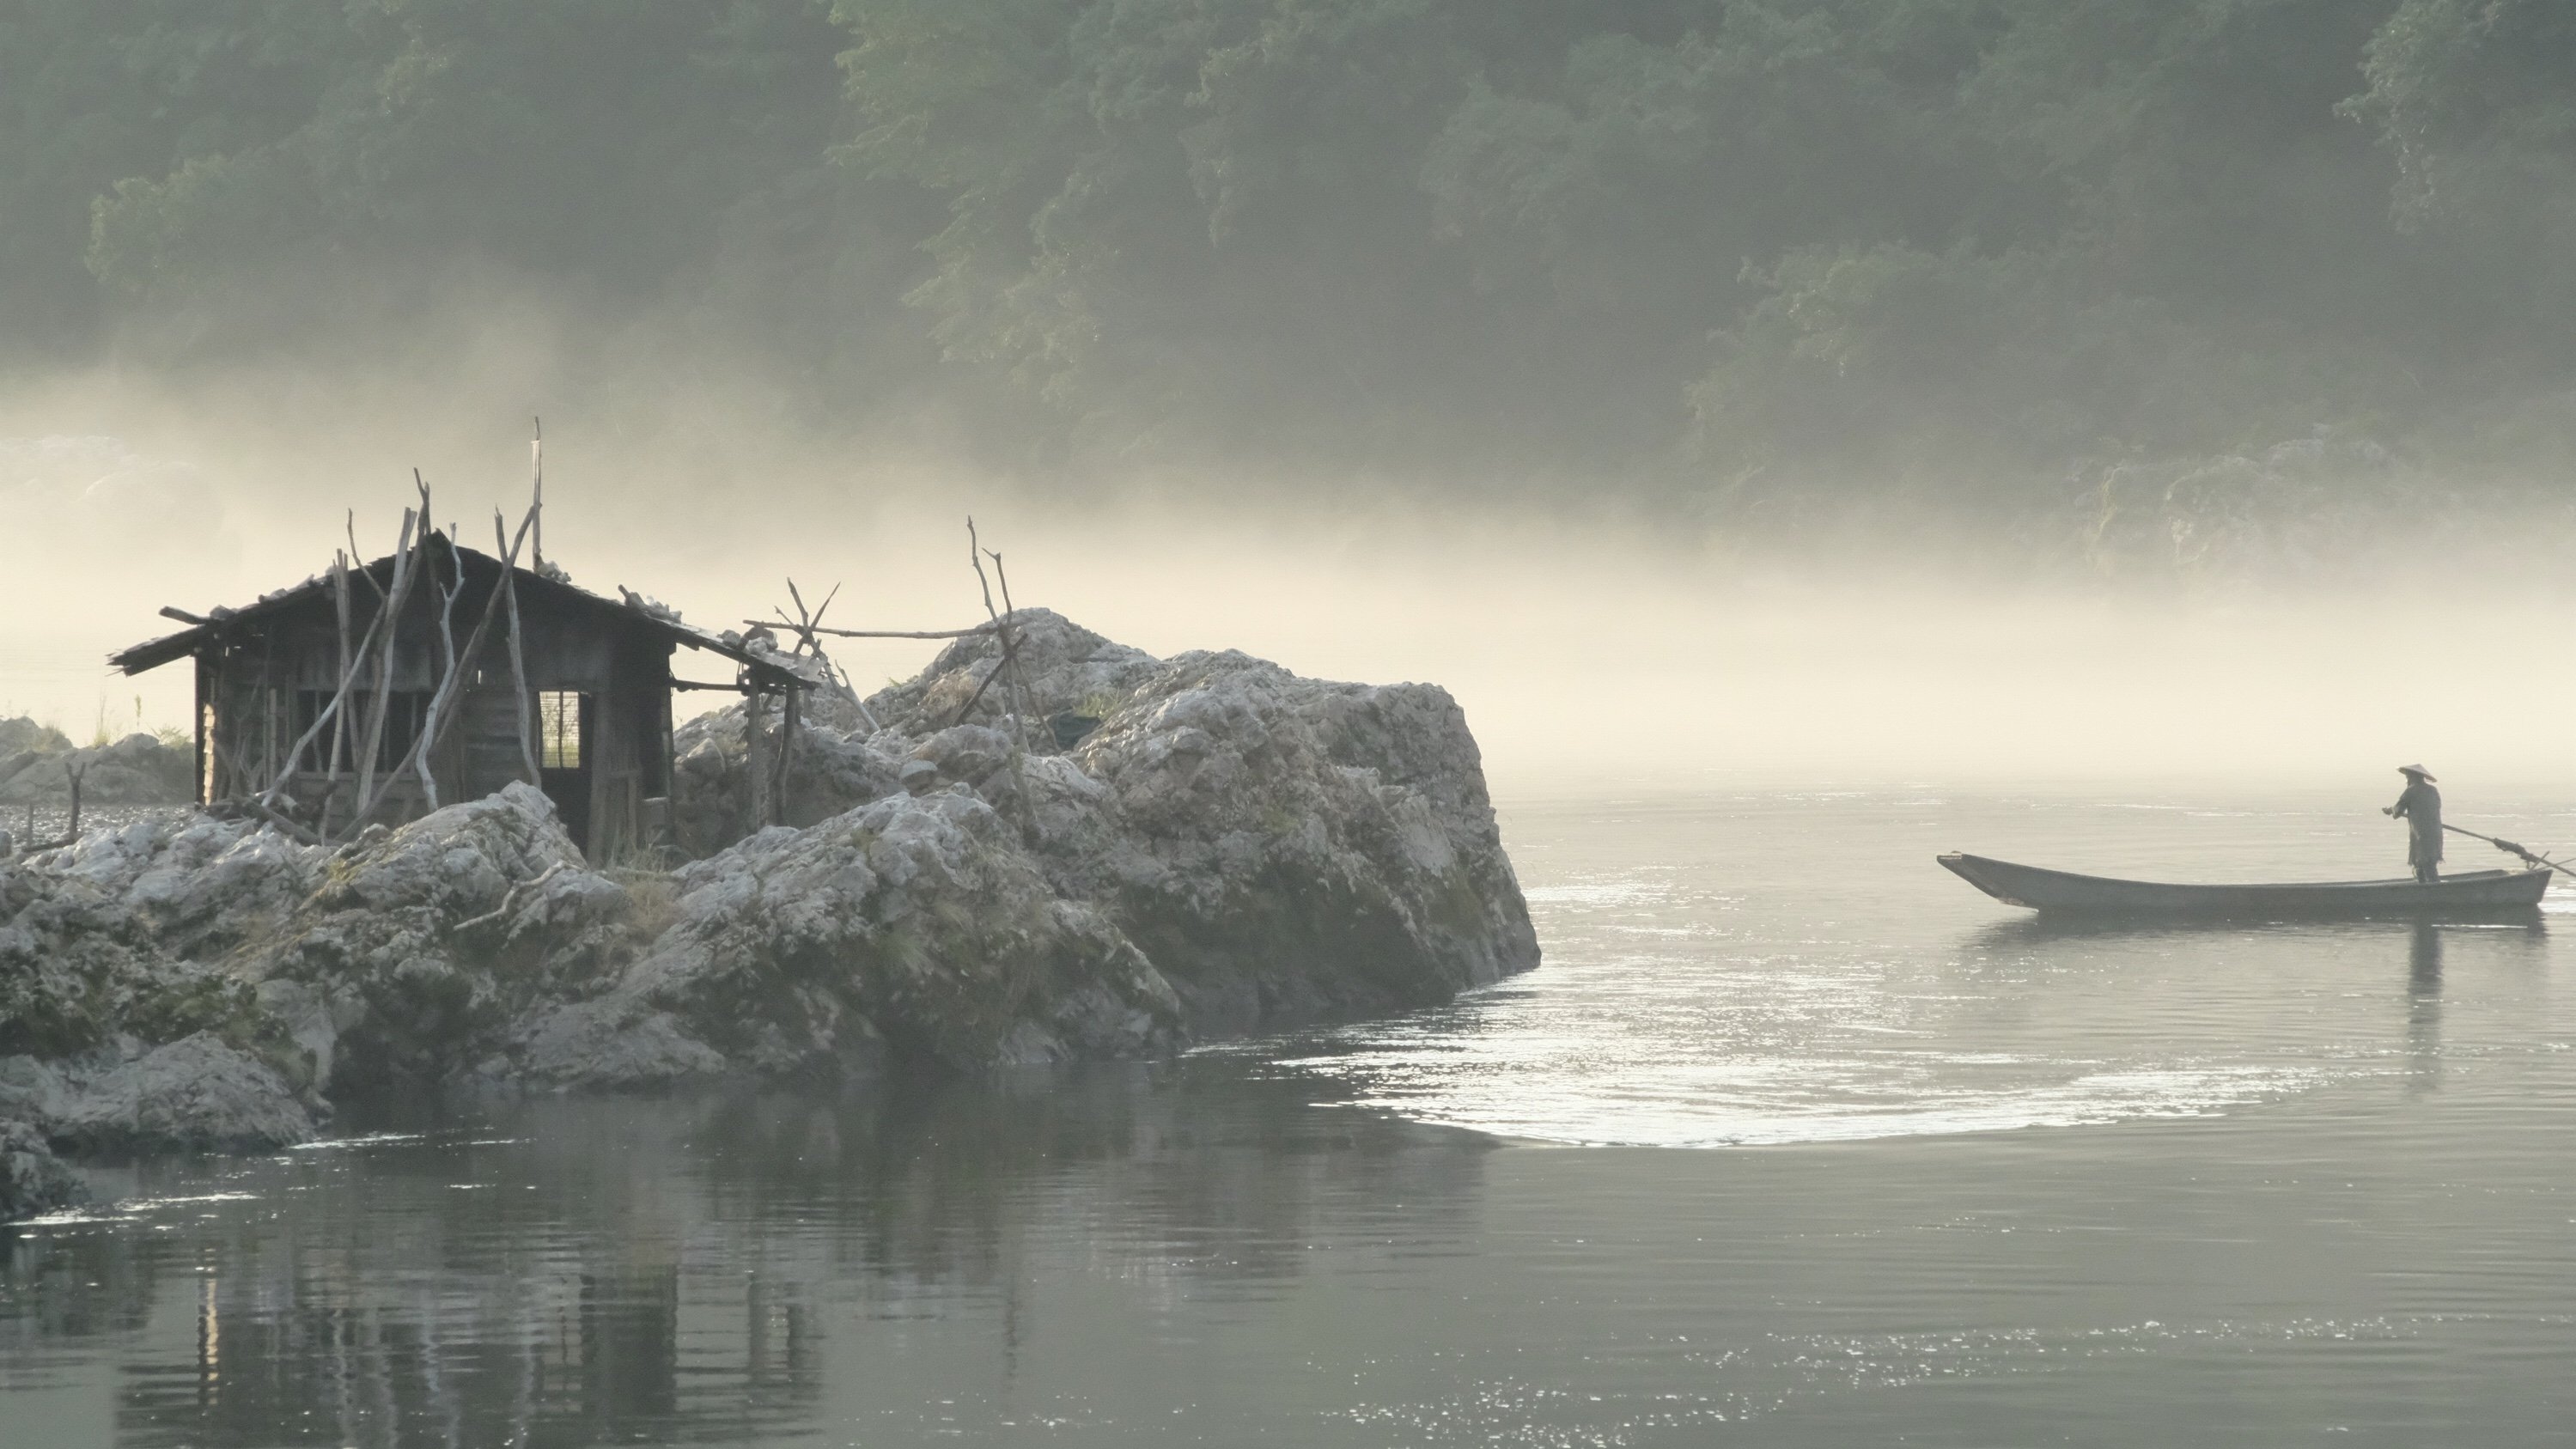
pixel 492 606
pixel 356 557
pixel 329 712
pixel 447 595
pixel 1020 691
pixel 440 718
pixel 1019 722
pixel 397 594
pixel 877 633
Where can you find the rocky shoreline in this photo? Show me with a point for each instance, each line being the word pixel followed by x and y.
pixel 1189 849
pixel 37 764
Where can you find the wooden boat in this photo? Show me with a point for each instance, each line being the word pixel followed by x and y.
pixel 2470 895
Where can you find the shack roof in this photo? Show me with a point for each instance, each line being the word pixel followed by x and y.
pixel 630 610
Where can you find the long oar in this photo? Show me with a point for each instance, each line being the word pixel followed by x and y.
pixel 2530 857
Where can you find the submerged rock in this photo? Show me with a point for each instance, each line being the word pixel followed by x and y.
pixel 32 1180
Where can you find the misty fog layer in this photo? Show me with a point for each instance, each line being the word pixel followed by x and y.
pixel 1593 653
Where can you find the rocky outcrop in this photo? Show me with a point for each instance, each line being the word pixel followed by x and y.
pixel 24 736
pixel 1279 847
pixel 909 927
pixel 1174 849
pixel 36 764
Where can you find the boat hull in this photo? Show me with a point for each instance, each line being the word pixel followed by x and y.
pixel 2472 895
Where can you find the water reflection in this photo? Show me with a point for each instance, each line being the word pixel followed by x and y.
pixel 575 1272
pixel 2424 1008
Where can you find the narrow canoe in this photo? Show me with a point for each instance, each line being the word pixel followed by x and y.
pixel 2470 895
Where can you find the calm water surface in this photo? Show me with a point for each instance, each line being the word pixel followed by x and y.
pixel 1795 1140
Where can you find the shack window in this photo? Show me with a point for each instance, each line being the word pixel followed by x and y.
pixel 559 713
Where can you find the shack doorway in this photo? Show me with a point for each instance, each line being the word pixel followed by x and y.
pixel 565 752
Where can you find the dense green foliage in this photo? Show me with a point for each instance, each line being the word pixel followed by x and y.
pixel 1751 250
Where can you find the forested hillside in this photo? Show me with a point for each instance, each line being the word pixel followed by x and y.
pixel 1743 254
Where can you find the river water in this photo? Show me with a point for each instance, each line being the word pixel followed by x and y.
pixel 1794 1140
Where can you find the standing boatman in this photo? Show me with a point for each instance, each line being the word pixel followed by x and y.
pixel 2420 806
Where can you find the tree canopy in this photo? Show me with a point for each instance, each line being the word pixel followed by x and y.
pixel 1741 252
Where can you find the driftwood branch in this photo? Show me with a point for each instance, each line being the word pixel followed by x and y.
pixel 509 901
pixel 809 630
pixel 299 832
pixel 977 697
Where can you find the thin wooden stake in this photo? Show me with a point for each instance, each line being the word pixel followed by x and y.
pixel 751 771
pixel 786 751
pixel 522 706
pixel 537 489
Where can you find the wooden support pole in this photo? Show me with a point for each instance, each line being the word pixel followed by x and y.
pixel 786 752
pixel 340 600
pixel 755 815
pixel 197 718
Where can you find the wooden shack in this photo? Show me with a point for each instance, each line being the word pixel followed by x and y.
pixel 309 712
